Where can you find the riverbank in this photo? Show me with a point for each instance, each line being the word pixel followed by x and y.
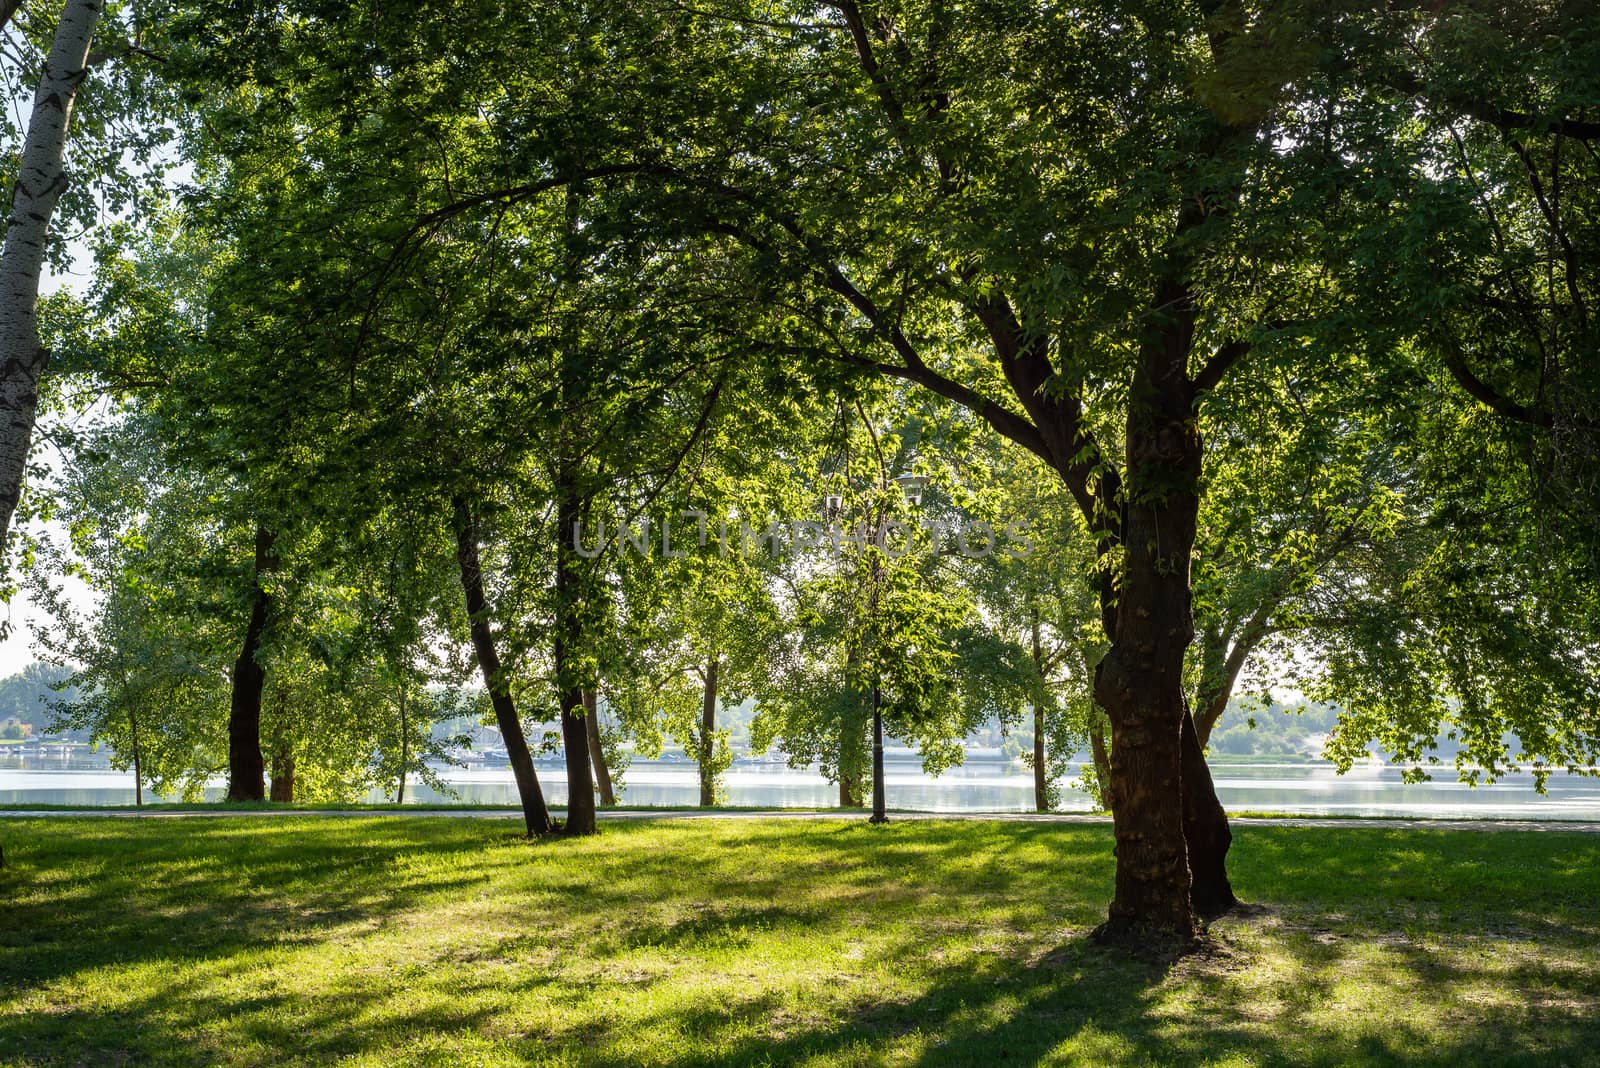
pixel 1311 789
pixel 686 812
pixel 394 940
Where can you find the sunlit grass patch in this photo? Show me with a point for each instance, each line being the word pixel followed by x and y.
pixel 393 940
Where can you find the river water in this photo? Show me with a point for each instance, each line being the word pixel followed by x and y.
pixel 984 784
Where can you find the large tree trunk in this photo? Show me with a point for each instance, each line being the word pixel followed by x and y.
pixel 597 752
pixel 708 736
pixel 247 773
pixel 1139 682
pixel 40 181
pixel 282 773
pixel 1205 822
pixel 534 812
pixel 568 635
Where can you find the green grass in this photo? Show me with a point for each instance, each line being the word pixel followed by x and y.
pixel 385 941
pixel 412 808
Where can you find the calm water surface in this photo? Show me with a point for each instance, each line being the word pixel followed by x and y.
pixel 984 784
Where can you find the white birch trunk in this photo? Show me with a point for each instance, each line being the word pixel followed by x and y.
pixel 40 182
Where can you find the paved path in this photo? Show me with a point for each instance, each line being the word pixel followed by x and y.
pixel 1584 827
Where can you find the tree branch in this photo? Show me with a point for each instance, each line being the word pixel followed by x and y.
pixel 1496 116
pixel 1222 361
pixel 1487 395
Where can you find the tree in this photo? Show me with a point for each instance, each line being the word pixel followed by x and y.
pixel 989 262
pixel 874 615
pixel 27 695
pixel 151 654
pixel 1111 209
pixel 115 143
pixel 1044 600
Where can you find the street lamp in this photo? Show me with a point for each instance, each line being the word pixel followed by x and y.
pixel 912 486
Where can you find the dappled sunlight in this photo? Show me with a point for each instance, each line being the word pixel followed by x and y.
pixel 400 941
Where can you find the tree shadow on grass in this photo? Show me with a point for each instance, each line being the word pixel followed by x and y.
pixel 223 888
pixel 1352 916
pixel 1085 1005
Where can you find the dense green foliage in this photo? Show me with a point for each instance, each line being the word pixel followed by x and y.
pixel 1250 344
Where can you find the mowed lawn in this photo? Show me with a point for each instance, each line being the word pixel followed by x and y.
pixel 406 940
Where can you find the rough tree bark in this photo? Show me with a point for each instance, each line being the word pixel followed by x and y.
pixel 41 180
pixel 568 634
pixel 597 752
pixel 1139 682
pixel 1205 831
pixel 708 735
pixel 247 773
pixel 534 812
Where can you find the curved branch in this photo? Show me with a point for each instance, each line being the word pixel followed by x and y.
pixel 1492 398
pixel 1222 361
pixel 1494 115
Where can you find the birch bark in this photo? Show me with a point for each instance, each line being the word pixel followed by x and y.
pixel 40 182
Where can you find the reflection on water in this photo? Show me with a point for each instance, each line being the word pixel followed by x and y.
pixel 982 785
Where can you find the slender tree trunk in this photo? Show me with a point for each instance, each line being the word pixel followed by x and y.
pixel 880 801
pixel 1206 721
pixel 597 752
pixel 282 773
pixel 851 743
pixel 405 749
pixel 708 736
pixel 1041 773
pixel 568 635
pixel 851 751
pixel 1102 759
pixel 1221 669
pixel 246 769
pixel 534 812
pixel 1139 682
pixel 40 181
pixel 1213 684
pixel 138 759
